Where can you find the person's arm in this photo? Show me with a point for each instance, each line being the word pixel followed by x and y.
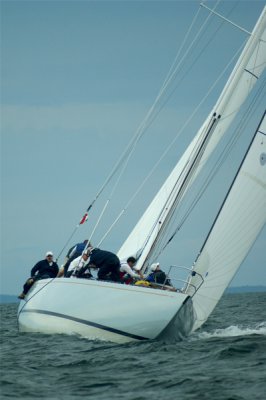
pixel 83 269
pixel 129 271
pixel 34 269
pixel 93 266
pixel 140 274
pixel 71 254
pixel 61 271
pixel 73 265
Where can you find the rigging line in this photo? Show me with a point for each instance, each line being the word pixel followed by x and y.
pixel 180 80
pixel 225 19
pixel 174 140
pixel 172 74
pixel 185 39
pixel 178 66
pixel 111 227
pixel 97 223
pixel 144 124
pixel 125 157
pixel 141 129
pixel 222 157
pixel 108 201
pixel 170 77
pixel 161 231
pixel 138 134
pixel 172 193
pixel 111 195
pixel 192 44
pixel 175 194
pixel 195 201
pixel 67 242
pixel 188 69
pixel 181 48
pixel 219 162
pixel 195 160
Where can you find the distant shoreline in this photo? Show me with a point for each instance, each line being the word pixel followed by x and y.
pixel 6 298
pixel 246 289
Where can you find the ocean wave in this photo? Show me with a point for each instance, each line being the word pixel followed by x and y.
pixel 234 330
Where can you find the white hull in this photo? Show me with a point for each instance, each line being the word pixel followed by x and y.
pixel 104 310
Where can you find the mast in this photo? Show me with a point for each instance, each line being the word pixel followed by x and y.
pixel 244 76
pixel 179 189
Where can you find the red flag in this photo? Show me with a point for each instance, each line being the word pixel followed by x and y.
pixel 83 219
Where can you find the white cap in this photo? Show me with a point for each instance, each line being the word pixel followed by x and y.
pixel 154 266
pixel 88 251
pixel 49 253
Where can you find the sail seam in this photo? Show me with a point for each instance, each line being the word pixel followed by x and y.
pixel 254 179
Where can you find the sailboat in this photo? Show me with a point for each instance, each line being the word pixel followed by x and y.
pixel 120 313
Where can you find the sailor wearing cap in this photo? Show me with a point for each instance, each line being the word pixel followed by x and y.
pixel 157 275
pixel 44 269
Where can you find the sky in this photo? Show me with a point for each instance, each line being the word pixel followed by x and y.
pixel 77 79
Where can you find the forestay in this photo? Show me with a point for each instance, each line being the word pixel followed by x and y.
pixel 237 226
pixel 241 81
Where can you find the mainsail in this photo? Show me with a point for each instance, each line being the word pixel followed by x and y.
pixel 242 217
pixel 151 225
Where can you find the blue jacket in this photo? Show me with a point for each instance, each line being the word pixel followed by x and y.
pixel 158 277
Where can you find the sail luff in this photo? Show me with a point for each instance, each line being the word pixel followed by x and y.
pixel 178 190
pixel 242 79
pixel 244 76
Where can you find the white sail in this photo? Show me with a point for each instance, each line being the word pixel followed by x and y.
pixel 241 81
pixel 238 224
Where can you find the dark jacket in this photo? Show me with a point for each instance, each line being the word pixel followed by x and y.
pixel 102 257
pixel 43 268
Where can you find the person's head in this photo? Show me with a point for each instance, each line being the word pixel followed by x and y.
pixel 89 249
pixel 131 261
pixel 155 267
pixel 49 256
pixel 85 256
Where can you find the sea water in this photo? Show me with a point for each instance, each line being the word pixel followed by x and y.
pixel 225 360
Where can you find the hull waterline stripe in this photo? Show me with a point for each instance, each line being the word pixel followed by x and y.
pixel 85 322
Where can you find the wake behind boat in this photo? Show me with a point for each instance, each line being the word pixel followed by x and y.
pixel 121 313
